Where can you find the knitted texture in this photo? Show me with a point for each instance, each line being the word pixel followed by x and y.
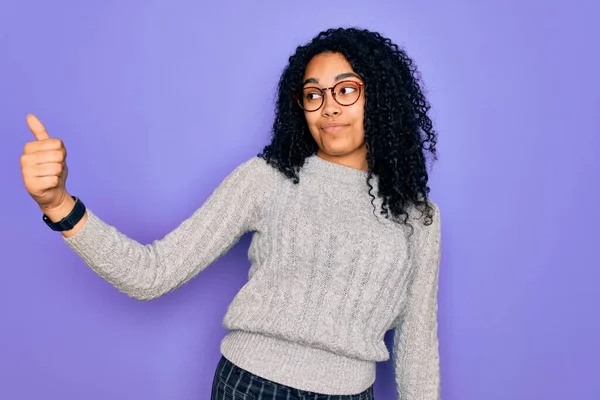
pixel 329 276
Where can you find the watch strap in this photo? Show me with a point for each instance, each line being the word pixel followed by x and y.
pixel 68 222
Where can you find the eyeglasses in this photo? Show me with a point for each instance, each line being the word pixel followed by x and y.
pixel 345 93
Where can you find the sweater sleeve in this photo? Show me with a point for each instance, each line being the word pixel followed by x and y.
pixel 148 271
pixel 415 344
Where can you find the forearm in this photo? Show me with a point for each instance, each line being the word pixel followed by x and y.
pixel 141 271
pixel 149 271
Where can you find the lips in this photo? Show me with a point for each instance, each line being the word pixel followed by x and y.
pixel 332 127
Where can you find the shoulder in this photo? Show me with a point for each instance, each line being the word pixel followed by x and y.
pixel 431 234
pixel 428 220
pixel 436 217
pixel 255 172
pixel 434 227
pixel 436 223
pixel 257 167
pixel 427 231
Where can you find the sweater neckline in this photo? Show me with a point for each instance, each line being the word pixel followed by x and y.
pixel 335 172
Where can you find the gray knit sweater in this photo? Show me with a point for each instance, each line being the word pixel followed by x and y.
pixel 328 277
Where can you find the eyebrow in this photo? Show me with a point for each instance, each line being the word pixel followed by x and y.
pixel 337 78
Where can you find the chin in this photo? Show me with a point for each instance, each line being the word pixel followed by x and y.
pixel 338 148
pixel 337 151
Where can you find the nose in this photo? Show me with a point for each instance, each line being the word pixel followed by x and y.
pixel 330 106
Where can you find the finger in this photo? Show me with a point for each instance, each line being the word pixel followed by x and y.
pixel 43 157
pixel 44 145
pixel 36 127
pixel 48 182
pixel 50 169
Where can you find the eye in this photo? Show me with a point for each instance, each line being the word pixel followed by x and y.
pixel 312 95
pixel 347 90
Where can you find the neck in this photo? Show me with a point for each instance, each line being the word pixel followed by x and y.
pixel 356 159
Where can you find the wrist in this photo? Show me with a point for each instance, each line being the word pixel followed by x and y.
pixel 60 211
pixel 68 217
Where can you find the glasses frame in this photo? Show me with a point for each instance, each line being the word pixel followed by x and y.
pixel 298 97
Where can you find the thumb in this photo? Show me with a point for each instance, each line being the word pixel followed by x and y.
pixel 36 127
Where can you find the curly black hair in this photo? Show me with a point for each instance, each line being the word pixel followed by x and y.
pixel 398 131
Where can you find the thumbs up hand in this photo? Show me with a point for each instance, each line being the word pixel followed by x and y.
pixel 44 167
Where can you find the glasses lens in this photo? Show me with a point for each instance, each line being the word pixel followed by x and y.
pixel 346 93
pixel 312 98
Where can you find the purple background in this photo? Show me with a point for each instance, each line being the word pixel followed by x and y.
pixel 158 101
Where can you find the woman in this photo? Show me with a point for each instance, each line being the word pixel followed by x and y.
pixel 346 242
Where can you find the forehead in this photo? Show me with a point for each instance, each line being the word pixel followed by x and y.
pixel 326 66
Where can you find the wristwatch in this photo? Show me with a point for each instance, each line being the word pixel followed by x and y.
pixel 68 222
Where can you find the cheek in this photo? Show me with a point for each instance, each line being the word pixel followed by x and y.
pixel 310 117
pixel 311 121
pixel 358 115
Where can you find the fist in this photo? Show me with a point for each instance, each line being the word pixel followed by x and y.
pixel 44 167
